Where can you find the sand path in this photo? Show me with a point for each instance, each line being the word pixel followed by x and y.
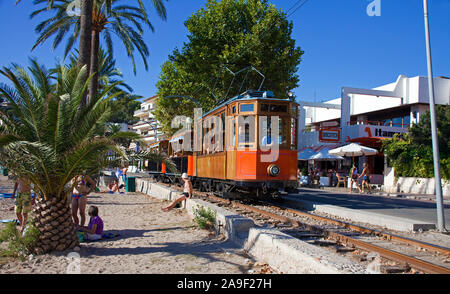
pixel 150 242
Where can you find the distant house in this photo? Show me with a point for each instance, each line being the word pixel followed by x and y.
pixel 148 126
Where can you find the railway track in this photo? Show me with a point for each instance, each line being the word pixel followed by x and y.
pixel 396 254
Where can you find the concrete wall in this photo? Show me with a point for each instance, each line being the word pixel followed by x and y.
pixel 412 185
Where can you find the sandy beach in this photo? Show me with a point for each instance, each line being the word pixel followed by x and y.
pixel 151 242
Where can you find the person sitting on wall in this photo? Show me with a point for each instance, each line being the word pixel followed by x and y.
pixel 187 193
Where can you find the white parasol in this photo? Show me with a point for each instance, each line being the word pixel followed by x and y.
pixel 354 150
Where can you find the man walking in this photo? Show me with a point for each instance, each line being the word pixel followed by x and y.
pixel 23 201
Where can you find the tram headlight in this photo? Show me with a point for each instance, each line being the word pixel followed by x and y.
pixel 273 170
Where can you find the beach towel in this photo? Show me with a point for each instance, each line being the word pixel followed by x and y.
pixel 5 221
pixel 108 235
pixel 9 195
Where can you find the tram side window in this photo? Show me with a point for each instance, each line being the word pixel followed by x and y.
pixel 293 134
pixel 283 124
pixel 223 132
pixel 230 132
pixel 206 144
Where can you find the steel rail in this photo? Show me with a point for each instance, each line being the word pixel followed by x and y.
pixel 412 262
pixel 387 236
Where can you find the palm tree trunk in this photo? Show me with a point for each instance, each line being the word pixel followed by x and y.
pixel 53 219
pixel 93 84
pixel 85 38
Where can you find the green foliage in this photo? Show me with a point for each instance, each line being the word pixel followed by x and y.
pixel 205 218
pixel 46 136
pixel 125 103
pixel 237 33
pixel 411 154
pixel 18 245
pixel 123 110
pixel 305 171
pixel 109 17
pixel 154 157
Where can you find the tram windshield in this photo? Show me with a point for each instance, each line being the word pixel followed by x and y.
pixel 266 125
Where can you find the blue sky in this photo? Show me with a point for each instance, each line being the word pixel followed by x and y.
pixel 343 45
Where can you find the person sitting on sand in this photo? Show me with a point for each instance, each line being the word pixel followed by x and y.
pixel 23 202
pixel 187 193
pixel 115 187
pixel 79 197
pixel 94 230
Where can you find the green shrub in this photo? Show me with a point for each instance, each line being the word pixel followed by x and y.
pixel 18 245
pixel 204 218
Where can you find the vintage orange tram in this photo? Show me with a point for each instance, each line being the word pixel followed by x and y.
pixel 235 149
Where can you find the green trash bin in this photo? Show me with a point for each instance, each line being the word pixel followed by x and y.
pixel 131 184
pixel 4 172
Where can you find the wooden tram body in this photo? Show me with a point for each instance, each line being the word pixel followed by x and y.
pixel 239 159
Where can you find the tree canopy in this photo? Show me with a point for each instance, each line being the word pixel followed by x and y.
pixel 235 33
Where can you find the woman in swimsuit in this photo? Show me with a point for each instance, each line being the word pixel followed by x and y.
pixel 79 197
pixel 366 178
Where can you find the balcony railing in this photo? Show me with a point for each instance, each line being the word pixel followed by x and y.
pixel 379 123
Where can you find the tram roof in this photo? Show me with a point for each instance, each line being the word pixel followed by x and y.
pixel 250 95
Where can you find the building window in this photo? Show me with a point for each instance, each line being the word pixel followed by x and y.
pixel 406 121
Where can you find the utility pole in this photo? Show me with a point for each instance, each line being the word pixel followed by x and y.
pixel 434 136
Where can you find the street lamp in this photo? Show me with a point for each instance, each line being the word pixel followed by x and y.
pixel 434 136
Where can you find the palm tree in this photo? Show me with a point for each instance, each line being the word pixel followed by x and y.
pixel 108 17
pixel 85 28
pixel 108 73
pixel 125 104
pixel 48 138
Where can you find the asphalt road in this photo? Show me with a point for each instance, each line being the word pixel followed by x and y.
pixel 404 208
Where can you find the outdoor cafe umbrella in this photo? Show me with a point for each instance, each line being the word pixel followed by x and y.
pixel 306 154
pixel 324 155
pixel 353 150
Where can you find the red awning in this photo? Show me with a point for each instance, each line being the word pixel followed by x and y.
pixel 375 142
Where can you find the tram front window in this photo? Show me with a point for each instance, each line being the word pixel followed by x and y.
pixel 266 131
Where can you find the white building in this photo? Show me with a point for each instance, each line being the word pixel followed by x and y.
pixel 368 116
pixel 148 126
